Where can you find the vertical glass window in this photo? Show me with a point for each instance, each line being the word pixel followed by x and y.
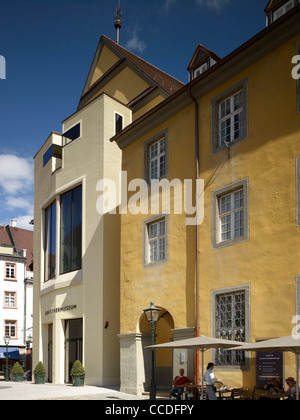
pixel 50 241
pixel 231 119
pixel 10 271
pixel 158 159
pixel 71 230
pixel 118 123
pixel 157 241
pixel 232 215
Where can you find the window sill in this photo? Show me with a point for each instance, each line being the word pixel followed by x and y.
pixel 230 242
pixel 62 281
pixel 155 264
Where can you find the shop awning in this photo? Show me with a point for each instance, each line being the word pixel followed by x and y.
pixel 13 353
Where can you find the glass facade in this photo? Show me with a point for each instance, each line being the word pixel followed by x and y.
pixel 50 241
pixel 71 230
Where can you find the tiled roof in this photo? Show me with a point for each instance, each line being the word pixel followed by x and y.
pixel 164 80
pixel 4 237
pixel 21 238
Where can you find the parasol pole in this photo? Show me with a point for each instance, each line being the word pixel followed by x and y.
pixel 297 378
pixel 202 378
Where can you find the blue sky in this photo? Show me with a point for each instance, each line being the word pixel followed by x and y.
pixel 48 46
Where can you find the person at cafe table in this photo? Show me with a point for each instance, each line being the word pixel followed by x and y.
pixel 178 383
pixel 273 386
pixel 291 392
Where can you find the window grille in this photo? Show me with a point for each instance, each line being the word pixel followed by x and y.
pixel 230 325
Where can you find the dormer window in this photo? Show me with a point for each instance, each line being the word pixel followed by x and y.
pixel 282 10
pixel 201 61
pixel 200 70
pixel 276 9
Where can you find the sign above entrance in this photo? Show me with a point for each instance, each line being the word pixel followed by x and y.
pixel 61 309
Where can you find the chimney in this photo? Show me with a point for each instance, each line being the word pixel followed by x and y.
pixel 13 223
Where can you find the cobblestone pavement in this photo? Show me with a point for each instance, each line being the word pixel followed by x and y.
pixel 30 391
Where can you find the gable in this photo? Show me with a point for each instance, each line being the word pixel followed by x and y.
pixel 111 62
pixel 201 54
pixel 103 63
pixel 125 86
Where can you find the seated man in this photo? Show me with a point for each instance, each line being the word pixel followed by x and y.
pixel 177 390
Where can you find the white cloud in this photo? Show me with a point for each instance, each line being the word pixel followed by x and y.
pixel 16 174
pixel 213 4
pixel 23 222
pixel 16 189
pixel 19 203
pixel 166 7
pixel 134 43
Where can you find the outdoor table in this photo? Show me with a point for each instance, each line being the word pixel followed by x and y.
pixel 223 391
pixel 191 387
pixel 261 393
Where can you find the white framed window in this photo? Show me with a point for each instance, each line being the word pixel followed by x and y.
pixel 155 241
pixel 231 118
pixel 282 10
pixel 230 214
pixel 10 299
pixel 231 210
pixel 10 329
pixel 157 159
pixel 199 70
pixel 10 271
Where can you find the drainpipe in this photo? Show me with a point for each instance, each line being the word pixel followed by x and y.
pixel 197 227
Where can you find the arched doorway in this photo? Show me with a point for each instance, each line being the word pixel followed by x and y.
pixel 164 362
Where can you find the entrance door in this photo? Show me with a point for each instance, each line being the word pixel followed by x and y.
pixel 73 345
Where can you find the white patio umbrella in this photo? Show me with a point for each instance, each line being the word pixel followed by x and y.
pixel 290 343
pixel 201 343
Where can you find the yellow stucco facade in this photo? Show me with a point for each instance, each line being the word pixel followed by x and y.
pixel 263 262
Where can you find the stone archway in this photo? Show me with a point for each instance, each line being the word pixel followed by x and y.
pixel 164 362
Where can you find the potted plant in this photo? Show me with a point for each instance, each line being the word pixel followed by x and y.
pixel 39 373
pixel 77 373
pixel 17 372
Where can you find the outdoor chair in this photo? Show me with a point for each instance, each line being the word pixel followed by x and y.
pixel 236 394
pixel 199 392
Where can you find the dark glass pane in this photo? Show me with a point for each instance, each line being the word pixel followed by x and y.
pixel 77 228
pixel 73 133
pixel 66 233
pixel 48 155
pixel 119 123
pixel 71 230
pixel 50 241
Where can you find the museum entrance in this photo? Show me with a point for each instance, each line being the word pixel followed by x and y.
pixel 73 345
